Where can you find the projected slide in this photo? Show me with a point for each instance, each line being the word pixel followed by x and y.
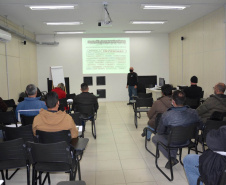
pixel 105 55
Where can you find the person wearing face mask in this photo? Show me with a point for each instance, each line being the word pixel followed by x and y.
pixel 178 115
pixel 132 84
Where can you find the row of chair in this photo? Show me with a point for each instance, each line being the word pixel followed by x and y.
pixel 61 156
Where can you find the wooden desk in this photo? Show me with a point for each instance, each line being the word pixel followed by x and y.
pixel 155 93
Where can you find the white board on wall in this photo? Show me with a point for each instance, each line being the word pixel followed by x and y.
pixel 57 74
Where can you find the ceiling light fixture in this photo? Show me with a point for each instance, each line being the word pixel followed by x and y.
pixel 52 7
pixel 163 7
pixel 137 31
pixel 69 32
pixel 63 23
pixel 148 22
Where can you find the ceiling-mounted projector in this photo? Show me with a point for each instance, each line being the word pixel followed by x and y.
pixel 104 24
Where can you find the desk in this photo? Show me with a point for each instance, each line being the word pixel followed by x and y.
pixel 155 93
pixel 79 144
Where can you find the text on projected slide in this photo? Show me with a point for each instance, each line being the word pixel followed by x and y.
pixel 105 55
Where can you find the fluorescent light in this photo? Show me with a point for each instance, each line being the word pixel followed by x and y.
pixel 69 32
pixel 62 23
pixel 164 7
pixel 148 22
pixel 137 31
pixel 52 7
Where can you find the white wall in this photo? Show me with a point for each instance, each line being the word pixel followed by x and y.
pixel 149 56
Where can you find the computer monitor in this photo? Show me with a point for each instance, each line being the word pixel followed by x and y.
pixel 161 82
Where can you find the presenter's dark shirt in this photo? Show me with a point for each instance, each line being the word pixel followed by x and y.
pixel 193 92
pixel 85 98
pixel 132 79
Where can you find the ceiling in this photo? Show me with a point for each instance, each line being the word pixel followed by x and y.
pixel 90 12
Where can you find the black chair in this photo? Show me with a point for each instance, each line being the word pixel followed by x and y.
pixel 10 104
pixel 13 155
pixel 63 104
pixel 179 137
pixel 26 120
pixel 218 116
pixel 222 179
pixel 76 116
pixel 144 95
pixel 88 114
pixel 71 183
pixel 7 118
pixel 146 129
pixel 53 157
pixel 24 132
pixel 209 125
pixel 193 103
pixel 141 105
pixel 70 96
pixel 54 137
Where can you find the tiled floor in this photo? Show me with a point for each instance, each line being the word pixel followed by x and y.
pixel 118 155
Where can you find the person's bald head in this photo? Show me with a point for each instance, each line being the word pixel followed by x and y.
pixel 219 88
pixel 131 69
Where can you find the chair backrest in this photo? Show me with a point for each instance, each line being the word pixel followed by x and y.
pixel 193 103
pixel 144 95
pixel 10 102
pixel 24 132
pixel 13 150
pixel 210 125
pixel 59 152
pixel 144 102
pixel 70 96
pixel 26 120
pixel 7 118
pixel 76 117
pixel 180 134
pixel 63 103
pixel 218 116
pixel 86 110
pixel 53 137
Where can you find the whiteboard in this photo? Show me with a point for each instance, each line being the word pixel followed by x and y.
pixel 57 74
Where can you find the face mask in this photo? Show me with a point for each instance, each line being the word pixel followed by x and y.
pixel 131 70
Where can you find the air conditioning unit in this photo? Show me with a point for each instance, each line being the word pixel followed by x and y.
pixel 5 36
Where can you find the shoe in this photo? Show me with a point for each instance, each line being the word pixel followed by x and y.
pixel 149 139
pixel 129 103
pixel 173 162
pixel 143 134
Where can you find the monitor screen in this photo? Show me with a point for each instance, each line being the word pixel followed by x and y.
pixel 161 82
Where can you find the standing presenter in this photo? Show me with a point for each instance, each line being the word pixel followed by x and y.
pixel 131 84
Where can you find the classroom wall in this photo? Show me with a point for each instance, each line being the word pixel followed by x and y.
pixel 149 56
pixel 21 60
pixel 201 53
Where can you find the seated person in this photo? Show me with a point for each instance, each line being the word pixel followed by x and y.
pixel 216 102
pixel 85 98
pixel 178 115
pixel 30 102
pixel 194 91
pixel 52 120
pixel 60 90
pixel 159 106
pixel 211 164
pixel 3 106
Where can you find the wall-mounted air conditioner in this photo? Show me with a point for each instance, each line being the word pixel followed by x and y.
pixel 5 36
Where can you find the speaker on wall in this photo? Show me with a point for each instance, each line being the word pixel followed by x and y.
pixel 88 80
pixel 101 93
pixel 101 80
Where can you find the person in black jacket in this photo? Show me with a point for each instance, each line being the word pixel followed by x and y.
pixel 132 84
pixel 85 98
pixel 194 91
pixel 211 164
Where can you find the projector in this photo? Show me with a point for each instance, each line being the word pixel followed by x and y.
pixel 105 24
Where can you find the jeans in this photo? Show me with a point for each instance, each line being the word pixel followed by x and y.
pixel 161 138
pixel 132 92
pixel 149 132
pixel 191 167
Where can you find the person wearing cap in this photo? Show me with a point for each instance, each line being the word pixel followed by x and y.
pixel 194 91
pixel 216 102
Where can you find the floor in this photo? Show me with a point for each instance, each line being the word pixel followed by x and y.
pixel 118 155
